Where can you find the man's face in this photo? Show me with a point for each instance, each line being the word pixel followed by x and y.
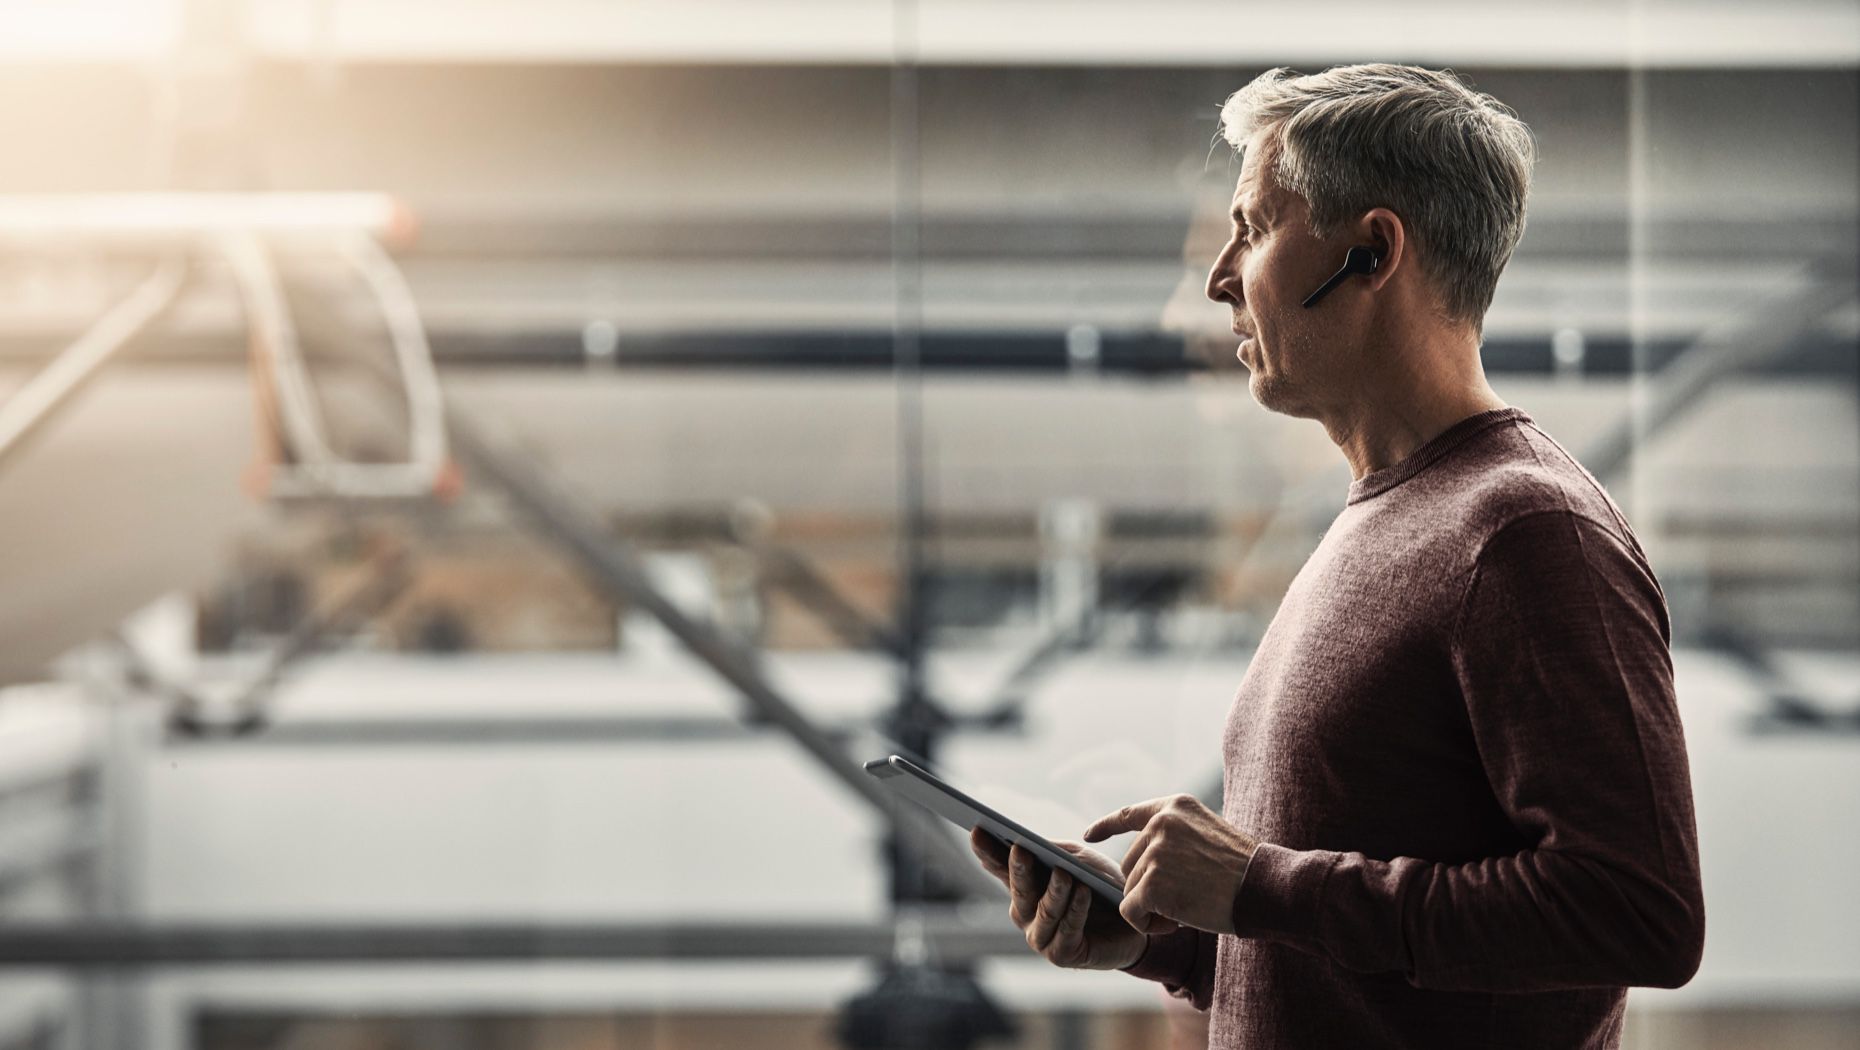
pixel 1270 263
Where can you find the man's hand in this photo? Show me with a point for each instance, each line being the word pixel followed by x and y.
pixel 1184 868
pixel 1063 919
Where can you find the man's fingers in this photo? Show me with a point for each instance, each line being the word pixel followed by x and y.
pixel 992 852
pixel 1135 853
pixel 1133 911
pixel 1136 911
pixel 1052 908
pixel 1067 948
pixel 1027 881
pixel 1073 925
pixel 1144 921
pixel 1131 818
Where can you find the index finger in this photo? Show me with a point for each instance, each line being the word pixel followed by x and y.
pixel 1131 818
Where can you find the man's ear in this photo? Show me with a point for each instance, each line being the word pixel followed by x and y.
pixel 1383 230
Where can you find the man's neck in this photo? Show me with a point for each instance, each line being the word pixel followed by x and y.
pixel 1405 408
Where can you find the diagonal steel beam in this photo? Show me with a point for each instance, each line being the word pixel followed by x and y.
pixel 383 583
pixel 792 572
pixel 613 566
pixel 1743 341
pixel 1008 699
pixel 57 383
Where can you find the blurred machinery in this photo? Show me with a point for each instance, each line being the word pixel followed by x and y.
pixel 829 353
pixel 301 463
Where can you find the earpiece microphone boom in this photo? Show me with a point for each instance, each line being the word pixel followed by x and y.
pixel 1359 260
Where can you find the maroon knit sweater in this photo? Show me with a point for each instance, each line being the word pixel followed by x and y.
pixel 1459 749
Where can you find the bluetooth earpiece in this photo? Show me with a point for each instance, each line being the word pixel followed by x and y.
pixel 1359 260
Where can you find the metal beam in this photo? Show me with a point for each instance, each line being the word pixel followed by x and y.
pixel 1006 706
pixel 616 569
pixel 792 572
pixel 1167 33
pixel 57 383
pixel 386 580
pixel 181 220
pixel 1749 339
pixel 120 945
pixel 475 732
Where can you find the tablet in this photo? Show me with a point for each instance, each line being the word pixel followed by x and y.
pixel 924 788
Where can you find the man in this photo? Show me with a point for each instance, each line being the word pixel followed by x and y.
pixel 1457 807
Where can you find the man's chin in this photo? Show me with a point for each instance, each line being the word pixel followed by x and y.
pixel 1265 392
pixel 1271 394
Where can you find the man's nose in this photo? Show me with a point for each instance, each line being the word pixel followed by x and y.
pixel 1223 282
pixel 1220 281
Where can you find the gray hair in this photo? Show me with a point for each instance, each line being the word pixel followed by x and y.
pixel 1455 164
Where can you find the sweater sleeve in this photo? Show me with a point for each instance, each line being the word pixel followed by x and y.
pixel 1561 651
pixel 1183 961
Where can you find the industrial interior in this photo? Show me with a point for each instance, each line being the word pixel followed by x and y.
pixel 478 480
